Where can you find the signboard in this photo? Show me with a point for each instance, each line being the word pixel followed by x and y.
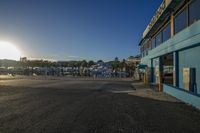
pixel 155 18
pixel 186 78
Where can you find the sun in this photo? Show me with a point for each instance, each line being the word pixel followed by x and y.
pixel 9 51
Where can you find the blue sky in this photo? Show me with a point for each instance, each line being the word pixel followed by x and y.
pixel 75 29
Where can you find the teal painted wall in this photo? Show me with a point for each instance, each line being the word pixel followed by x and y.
pixel 190 58
pixel 186 38
pixel 187 43
pixel 183 96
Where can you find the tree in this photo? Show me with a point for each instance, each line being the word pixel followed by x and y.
pixel 100 61
pixel 124 64
pixel 130 69
pixel 77 64
pixel 9 63
pixel 115 64
pixel 90 63
pixel 84 63
pixel 71 64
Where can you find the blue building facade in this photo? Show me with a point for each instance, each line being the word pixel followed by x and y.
pixel 170 47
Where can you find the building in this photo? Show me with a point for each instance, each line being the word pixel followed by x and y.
pixel 170 49
pixel 133 59
pixel 23 59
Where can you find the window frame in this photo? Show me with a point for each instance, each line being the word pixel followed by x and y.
pixel 161 38
pixel 185 7
pixel 165 23
pixel 189 14
pixel 165 26
pixel 153 39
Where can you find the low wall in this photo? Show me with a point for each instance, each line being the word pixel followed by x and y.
pixel 183 95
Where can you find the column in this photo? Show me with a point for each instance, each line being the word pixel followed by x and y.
pixel 176 69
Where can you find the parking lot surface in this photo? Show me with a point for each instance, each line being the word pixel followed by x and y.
pixel 89 106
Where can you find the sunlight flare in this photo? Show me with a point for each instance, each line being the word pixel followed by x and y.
pixel 9 51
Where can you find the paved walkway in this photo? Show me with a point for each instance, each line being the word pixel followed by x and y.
pixel 145 91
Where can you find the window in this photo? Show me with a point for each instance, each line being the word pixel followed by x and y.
pixel 147 52
pixel 166 33
pixel 168 69
pixel 153 43
pixel 194 11
pixel 141 49
pixel 149 44
pixel 181 21
pixel 143 54
pixel 159 39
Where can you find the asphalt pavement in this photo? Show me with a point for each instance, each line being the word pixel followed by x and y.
pixel 89 106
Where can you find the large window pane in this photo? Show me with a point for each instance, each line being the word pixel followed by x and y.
pixel 168 69
pixel 181 21
pixel 153 43
pixel 194 11
pixel 166 33
pixel 159 39
pixel 147 52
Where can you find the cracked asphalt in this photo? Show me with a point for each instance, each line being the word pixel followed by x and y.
pixel 88 106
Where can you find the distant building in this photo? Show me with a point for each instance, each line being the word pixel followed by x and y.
pixel 23 59
pixel 134 59
pixel 170 49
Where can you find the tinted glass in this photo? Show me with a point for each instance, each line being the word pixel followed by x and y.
pixel 147 52
pixel 166 33
pixel 194 11
pixel 159 39
pixel 181 21
pixel 153 43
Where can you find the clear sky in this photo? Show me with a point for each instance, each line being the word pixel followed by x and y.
pixel 75 29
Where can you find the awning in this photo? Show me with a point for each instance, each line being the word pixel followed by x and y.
pixel 142 66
